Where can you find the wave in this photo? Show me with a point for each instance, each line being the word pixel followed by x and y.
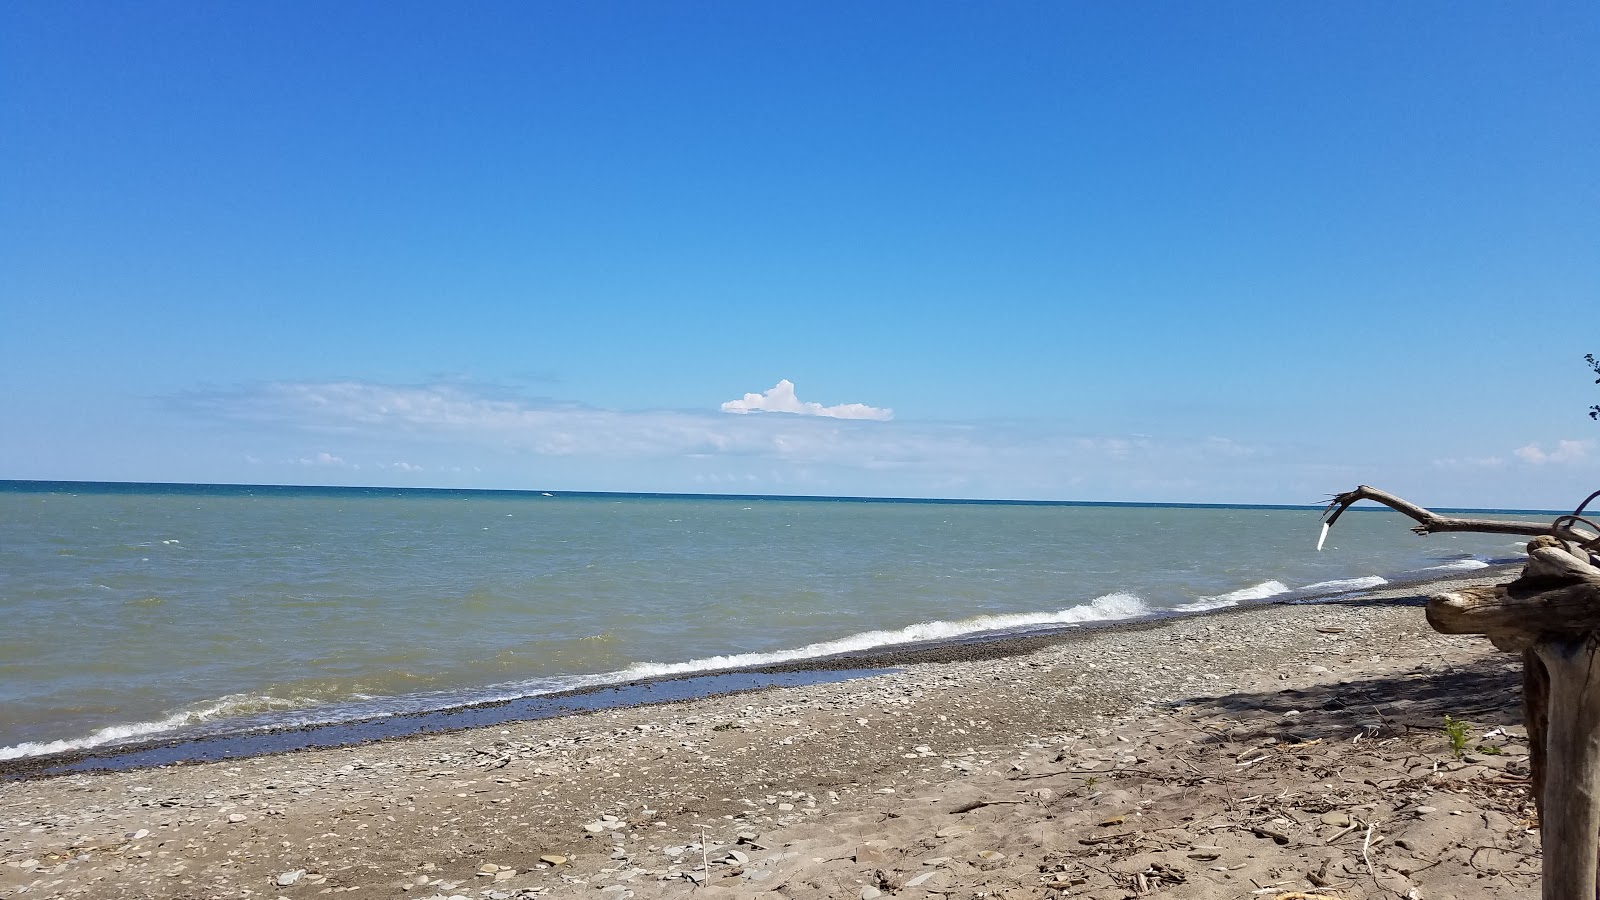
pixel 1341 585
pixel 1102 609
pixel 1233 598
pixel 1457 565
pixel 226 707
pixel 1111 607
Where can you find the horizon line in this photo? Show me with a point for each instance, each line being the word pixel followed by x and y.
pixel 135 486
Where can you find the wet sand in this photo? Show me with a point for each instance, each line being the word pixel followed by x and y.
pixel 1263 750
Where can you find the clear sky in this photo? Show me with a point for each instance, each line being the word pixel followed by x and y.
pixel 1233 252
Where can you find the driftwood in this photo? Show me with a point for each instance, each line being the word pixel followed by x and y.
pixel 1551 615
pixel 1429 522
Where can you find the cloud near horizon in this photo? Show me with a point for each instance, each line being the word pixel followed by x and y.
pixel 1563 452
pixel 781 398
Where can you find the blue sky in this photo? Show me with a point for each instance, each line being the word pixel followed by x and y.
pixel 1251 252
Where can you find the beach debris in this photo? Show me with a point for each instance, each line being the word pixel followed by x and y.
pixel 1278 837
pixel 286 879
pixel 1323 537
pixel 872 852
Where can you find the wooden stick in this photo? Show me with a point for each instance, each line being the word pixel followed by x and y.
pixel 1571 809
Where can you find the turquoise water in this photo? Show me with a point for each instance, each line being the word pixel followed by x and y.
pixel 133 612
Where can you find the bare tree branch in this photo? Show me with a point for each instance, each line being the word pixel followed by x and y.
pixel 1431 523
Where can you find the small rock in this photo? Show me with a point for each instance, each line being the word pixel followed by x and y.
pixel 1336 819
pixel 235 818
pixel 870 893
pixel 285 879
pixel 139 835
pixel 991 855
pixel 1424 810
pixel 873 852
pixel 554 859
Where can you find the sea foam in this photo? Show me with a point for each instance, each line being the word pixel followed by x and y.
pixel 1457 565
pixel 1341 585
pixel 1110 607
pixel 128 732
pixel 1233 598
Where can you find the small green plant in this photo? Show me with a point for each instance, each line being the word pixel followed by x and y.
pixel 1090 782
pixel 1490 750
pixel 1456 731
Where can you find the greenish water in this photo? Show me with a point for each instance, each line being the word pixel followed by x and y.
pixel 133 612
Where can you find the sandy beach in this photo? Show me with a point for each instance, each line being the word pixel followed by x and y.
pixel 1281 751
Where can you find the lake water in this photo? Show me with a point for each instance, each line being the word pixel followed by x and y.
pixel 133 612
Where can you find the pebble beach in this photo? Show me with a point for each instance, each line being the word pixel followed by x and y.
pixel 1285 751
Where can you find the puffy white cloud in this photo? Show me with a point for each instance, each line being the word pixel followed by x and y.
pixel 781 398
pixel 324 459
pixel 1563 452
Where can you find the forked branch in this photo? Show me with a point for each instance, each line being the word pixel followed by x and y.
pixel 1429 522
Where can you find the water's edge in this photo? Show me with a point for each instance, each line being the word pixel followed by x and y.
pixel 651 691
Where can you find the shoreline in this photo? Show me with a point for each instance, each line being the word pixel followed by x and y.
pixel 1211 756
pixel 872 662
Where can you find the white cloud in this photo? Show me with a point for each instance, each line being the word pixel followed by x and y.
pixel 1469 462
pixel 781 398
pixel 324 459
pixel 400 467
pixel 1564 452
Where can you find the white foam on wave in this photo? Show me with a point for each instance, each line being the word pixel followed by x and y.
pixel 1457 565
pixel 1108 608
pixel 120 734
pixel 1340 585
pixel 1233 598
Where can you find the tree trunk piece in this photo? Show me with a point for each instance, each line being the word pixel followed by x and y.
pixel 1570 819
pixel 1536 716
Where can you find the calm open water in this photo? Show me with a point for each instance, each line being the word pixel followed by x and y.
pixel 132 612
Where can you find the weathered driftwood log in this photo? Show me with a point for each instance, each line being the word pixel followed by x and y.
pixel 1570 815
pixel 1429 522
pixel 1558 593
pixel 1551 614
